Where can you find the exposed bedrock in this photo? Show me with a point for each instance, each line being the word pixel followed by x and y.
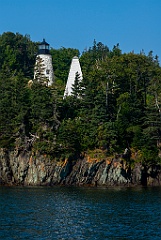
pixel 25 168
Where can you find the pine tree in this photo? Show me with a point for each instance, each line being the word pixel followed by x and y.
pixel 39 72
pixel 76 89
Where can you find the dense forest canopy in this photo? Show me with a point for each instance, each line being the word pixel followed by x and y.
pixel 118 105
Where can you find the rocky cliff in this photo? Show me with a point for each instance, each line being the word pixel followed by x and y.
pixel 26 168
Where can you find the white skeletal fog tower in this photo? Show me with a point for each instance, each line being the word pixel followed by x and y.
pixel 74 68
pixel 43 65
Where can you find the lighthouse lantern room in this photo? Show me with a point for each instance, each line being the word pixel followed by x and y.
pixel 43 47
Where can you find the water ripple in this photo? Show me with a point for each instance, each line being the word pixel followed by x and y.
pixel 44 213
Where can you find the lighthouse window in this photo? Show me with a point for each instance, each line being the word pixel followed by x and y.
pixel 47 71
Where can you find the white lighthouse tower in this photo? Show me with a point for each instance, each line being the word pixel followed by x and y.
pixel 75 68
pixel 43 67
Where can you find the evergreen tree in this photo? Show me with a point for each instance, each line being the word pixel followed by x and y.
pixel 76 88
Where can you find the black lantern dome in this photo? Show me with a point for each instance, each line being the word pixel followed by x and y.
pixel 43 47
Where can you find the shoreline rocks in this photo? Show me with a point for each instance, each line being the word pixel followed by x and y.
pixel 33 170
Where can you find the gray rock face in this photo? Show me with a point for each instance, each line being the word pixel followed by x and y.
pixel 24 168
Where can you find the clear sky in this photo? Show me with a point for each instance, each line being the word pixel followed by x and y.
pixel 134 24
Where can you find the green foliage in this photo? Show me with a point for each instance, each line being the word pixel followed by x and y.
pixel 41 108
pixel 17 54
pixel 14 104
pixel 68 138
pixel 107 137
pixel 39 69
pixel 76 89
pixel 115 106
pixel 91 56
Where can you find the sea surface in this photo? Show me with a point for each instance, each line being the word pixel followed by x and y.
pixel 80 213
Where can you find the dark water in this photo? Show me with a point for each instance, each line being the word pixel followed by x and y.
pixel 79 213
